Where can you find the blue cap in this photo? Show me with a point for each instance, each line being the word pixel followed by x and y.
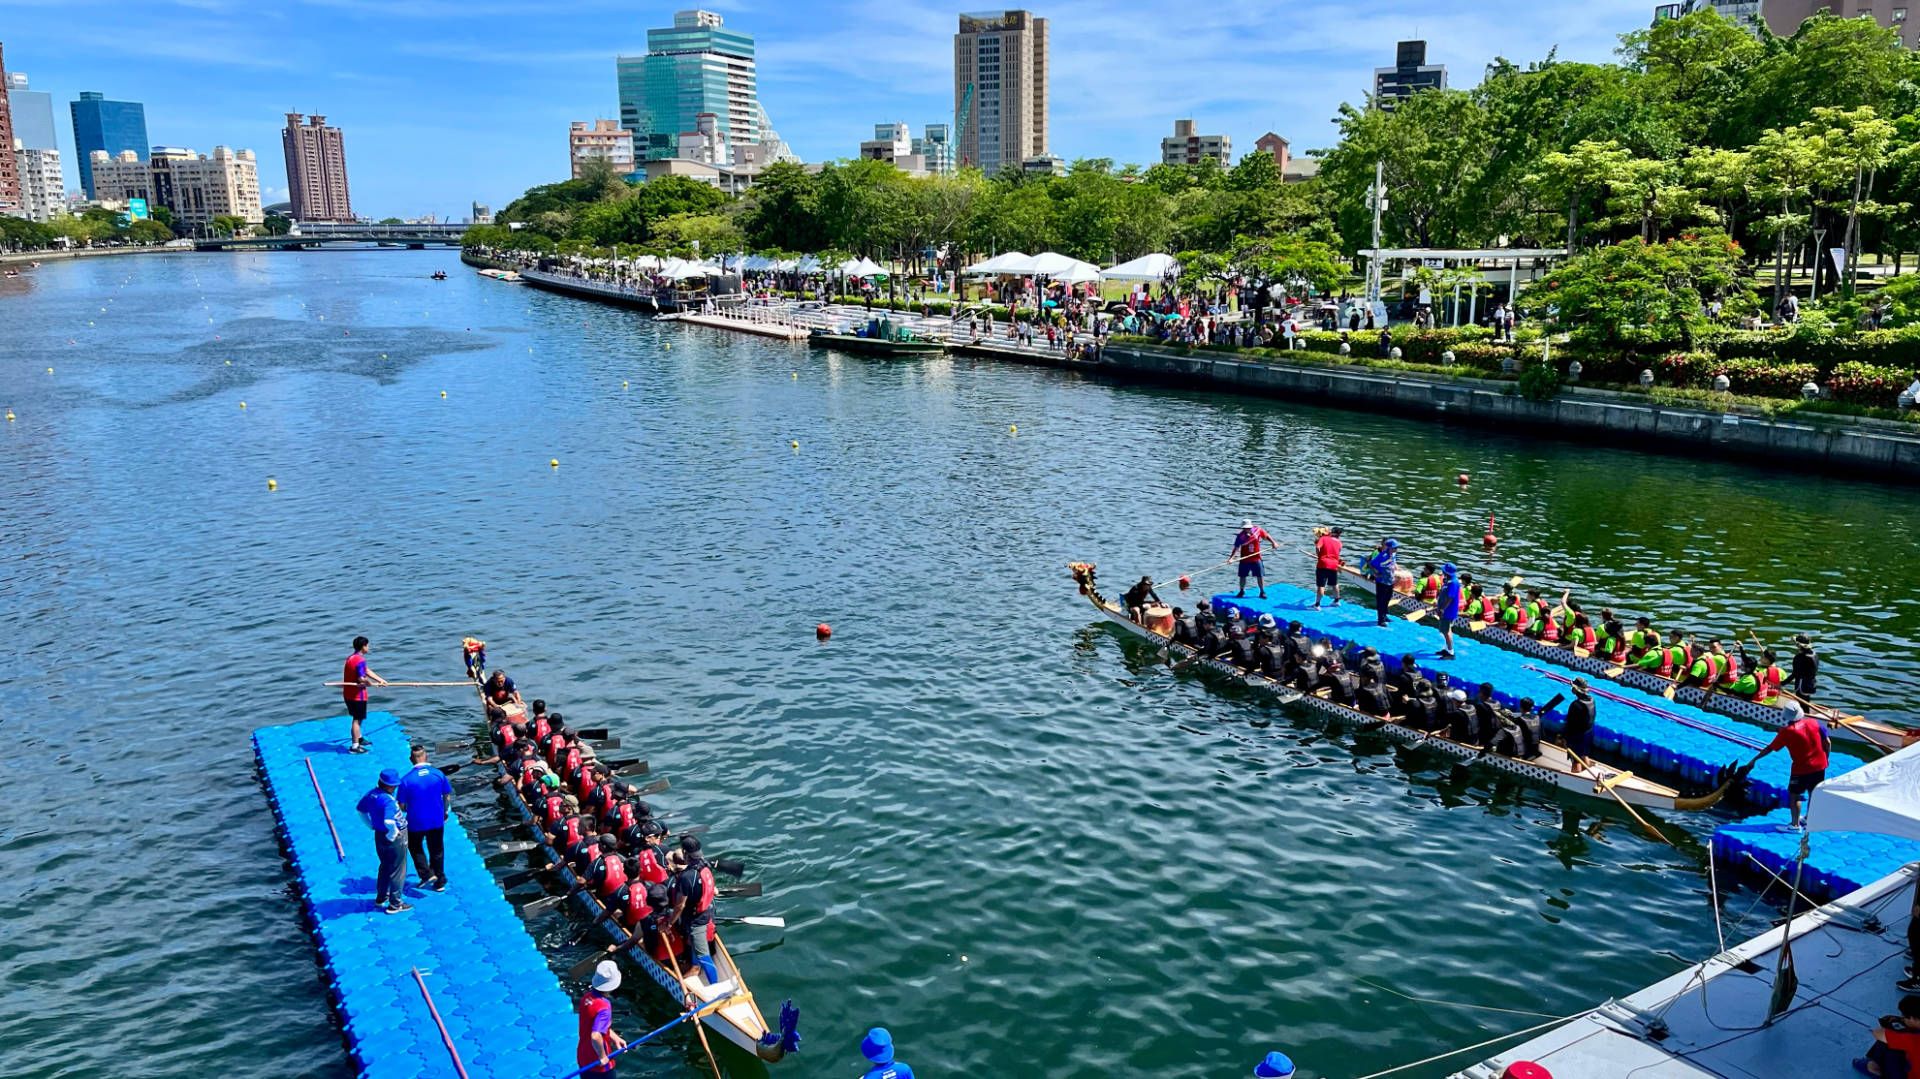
pixel 1276 1066
pixel 390 777
pixel 877 1046
pixel 1448 569
pixel 1391 545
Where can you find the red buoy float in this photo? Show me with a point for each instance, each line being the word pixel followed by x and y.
pixel 1186 582
pixel 1464 479
pixel 1489 539
pixel 823 631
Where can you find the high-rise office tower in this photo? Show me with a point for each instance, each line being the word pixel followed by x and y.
pixel 32 113
pixel 10 197
pixel 316 170
pixel 696 66
pixel 112 126
pixel 1000 88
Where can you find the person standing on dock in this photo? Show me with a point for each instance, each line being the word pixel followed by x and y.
pixel 877 1047
pixel 1449 604
pixel 382 812
pixel 1383 565
pixel 1326 566
pixel 425 795
pixel 1246 552
pixel 357 676
pixel 1806 742
pixel 598 1042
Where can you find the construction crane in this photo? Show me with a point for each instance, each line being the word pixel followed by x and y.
pixel 960 121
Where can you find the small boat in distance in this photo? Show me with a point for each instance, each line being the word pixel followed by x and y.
pixel 884 344
pixel 439 275
pixel 500 275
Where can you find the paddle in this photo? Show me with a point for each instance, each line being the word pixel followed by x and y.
pixel 388 685
pixel 1707 728
pixel 1593 773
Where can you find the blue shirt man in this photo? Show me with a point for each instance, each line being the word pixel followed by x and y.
pixel 1450 600
pixel 877 1046
pixel 383 814
pixel 425 795
pixel 1383 564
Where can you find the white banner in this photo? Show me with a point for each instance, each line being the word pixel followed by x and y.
pixel 1839 256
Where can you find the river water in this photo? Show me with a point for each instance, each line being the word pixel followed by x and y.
pixel 992 825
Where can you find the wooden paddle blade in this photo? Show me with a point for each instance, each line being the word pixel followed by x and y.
pixel 515 880
pixel 741 891
pixel 1667 692
pixel 1416 614
pixel 500 830
pixel 1614 672
pixel 592 733
pixel 732 867
pixel 615 766
pixel 1476 626
pixel 541 905
pixel 632 768
pixel 764 922
pixel 655 787
pixel 516 848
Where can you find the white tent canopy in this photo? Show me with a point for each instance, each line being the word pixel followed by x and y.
pixel 686 270
pixel 1880 796
pixel 1145 268
pixel 860 267
pixel 1060 267
pixel 1008 263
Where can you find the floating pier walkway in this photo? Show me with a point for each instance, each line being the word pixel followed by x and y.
pixel 1694 747
pixel 454 987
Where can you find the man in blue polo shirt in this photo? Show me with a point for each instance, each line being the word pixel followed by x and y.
pixel 382 813
pixel 877 1047
pixel 426 795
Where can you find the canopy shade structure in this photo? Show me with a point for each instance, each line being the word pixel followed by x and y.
pixel 688 270
pixel 861 267
pixel 1008 263
pixel 1060 267
pixel 1880 796
pixel 1145 268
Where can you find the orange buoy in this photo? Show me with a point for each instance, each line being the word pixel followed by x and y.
pixel 1465 479
pixel 823 631
pixel 1489 539
pixel 1186 582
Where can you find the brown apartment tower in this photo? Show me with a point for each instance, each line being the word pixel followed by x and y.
pixel 10 195
pixel 316 170
pixel 1000 89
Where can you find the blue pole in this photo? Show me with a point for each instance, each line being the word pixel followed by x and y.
pixel 649 1036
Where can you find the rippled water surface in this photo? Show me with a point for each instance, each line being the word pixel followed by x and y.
pixel 992 825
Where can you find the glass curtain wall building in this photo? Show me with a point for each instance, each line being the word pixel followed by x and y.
pixel 113 126
pixel 695 66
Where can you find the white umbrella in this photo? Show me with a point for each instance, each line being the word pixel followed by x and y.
pixel 1145 268
pixel 1010 262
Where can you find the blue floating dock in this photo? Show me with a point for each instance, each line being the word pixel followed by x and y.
pixel 1623 734
pixel 502 1006
pixel 1838 863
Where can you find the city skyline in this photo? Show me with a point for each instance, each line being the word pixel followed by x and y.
pixel 447 104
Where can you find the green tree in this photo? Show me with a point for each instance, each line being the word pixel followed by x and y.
pixel 783 211
pixel 710 235
pixel 162 215
pixel 1636 290
pixel 276 224
pixel 229 224
pixel 1586 170
pixel 1434 147
pixel 149 232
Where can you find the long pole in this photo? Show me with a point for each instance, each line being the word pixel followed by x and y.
pixel 1379 203
pixel 337 848
pixel 445 1038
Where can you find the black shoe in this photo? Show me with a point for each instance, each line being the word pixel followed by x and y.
pixel 357 747
pixel 439 884
pixel 398 907
pixel 1382 624
pixel 1263 595
pixel 1446 655
pixel 1242 594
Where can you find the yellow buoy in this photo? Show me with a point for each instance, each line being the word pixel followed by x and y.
pixel 796 374
pixel 669 346
pixel 383 355
pixel 229 363
pixel 1013 428
pixel 795 443
pixel 623 383
pixel 243 406
pixel 443 395
pixel 272 484
pixel 49 370
pixel 9 415
pixel 554 463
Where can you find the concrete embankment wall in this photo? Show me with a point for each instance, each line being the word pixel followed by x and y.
pixel 1853 447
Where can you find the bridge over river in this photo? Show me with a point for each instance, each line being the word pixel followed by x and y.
pixel 321 234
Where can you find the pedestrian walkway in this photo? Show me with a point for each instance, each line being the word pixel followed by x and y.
pixel 503 1012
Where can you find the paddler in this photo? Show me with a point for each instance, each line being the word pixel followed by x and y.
pixel 1757 681
pixel 1382 565
pixel 1642 640
pixel 1577 733
pixel 1666 661
pixel 1426 587
pixel 1516 736
pixel 1135 599
pixel 1326 565
pixel 598 1042
pixel 357 676
pixel 693 891
pixel 1707 668
pixel 1448 601
pixel 1246 552
pixel 1182 628
pixel 1806 742
pixel 1806 667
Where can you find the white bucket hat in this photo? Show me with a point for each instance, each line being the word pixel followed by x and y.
pixel 606 976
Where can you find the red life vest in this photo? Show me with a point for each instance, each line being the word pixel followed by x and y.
pixel 1430 587
pixel 615 871
pixel 507 737
pixel 705 902
pixel 1670 658
pixel 1716 666
pixel 571 761
pixel 541 729
pixel 500 694
pixel 1766 683
pixel 556 809
pixel 1587 639
pixel 623 817
pixel 571 835
pixel 648 868
pixel 351 672
pixel 1549 628
pixel 587 785
pixel 1489 610
pixel 1521 620
pixel 638 908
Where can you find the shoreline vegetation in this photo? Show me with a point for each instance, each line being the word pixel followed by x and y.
pixel 1719 191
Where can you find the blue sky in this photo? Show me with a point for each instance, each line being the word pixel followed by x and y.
pixel 449 101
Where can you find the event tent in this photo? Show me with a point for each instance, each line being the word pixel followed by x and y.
pixel 1145 268
pixel 1880 796
pixel 1011 262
